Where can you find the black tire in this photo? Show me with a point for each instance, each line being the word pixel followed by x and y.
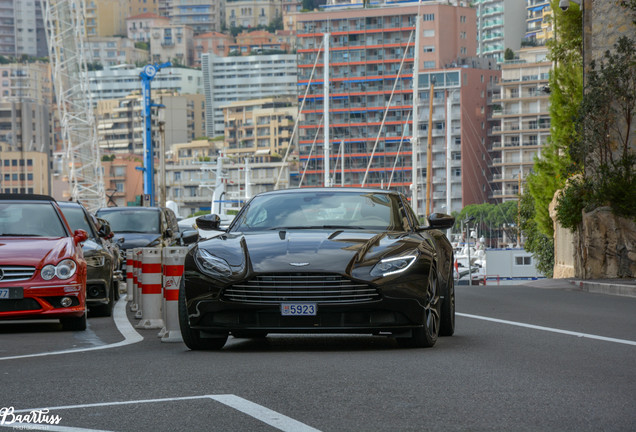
pixel 447 327
pixel 192 338
pixel 426 336
pixel 74 324
pixel 115 288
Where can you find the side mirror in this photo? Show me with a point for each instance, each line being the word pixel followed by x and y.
pixel 80 236
pixel 440 221
pixel 167 232
pixel 105 232
pixel 209 222
pixel 189 237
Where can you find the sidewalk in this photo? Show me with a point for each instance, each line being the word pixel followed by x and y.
pixel 621 287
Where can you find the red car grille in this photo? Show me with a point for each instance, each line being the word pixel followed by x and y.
pixel 26 304
pixel 16 273
pixel 301 287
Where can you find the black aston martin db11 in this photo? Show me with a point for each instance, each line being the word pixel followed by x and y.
pixel 320 260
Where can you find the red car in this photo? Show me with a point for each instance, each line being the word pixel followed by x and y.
pixel 42 267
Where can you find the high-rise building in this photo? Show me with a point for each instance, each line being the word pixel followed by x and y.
pixel 371 104
pixel 22 29
pixel 522 120
pixel 229 79
pixel 538 27
pixel 252 13
pixel 501 24
pixel 106 18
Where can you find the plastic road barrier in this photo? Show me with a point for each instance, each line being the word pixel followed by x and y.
pixel 151 289
pixel 173 259
pixel 129 274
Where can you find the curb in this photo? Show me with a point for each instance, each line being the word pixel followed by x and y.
pixel 611 288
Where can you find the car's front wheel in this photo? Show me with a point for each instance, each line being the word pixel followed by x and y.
pixel 191 337
pixel 426 336
pixel 74 324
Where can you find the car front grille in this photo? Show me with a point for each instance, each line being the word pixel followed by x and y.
pixel 16 273
pixel 25 304
pixel 301 287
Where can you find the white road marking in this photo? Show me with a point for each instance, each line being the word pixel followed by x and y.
pixel 548 329
pixel 47 427
pixel 259 412
pixel 123 325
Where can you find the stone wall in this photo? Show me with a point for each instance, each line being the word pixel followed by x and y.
pixel 605 246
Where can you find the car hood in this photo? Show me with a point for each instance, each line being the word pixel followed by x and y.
pixel 135 240
pixel 315 251
pixel 35 252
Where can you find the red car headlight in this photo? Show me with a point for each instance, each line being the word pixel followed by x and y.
pixel 64 270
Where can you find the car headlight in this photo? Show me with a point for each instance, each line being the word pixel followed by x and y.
pixel 95 261
pixel 48 272
pixel 211 265
pixel 64 270
pixel 389 266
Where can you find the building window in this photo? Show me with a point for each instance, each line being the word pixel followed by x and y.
pixel 428 17
pixel 429 48
pixel 523 260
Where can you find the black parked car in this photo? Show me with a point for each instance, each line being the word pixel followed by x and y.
pixel 326 260
pixel 136 227
pixel 102 262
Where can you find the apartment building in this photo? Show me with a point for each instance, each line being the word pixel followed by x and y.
pixel 501 24
pixel 537 23
pixel 123 179
pixel 259 42
pixel 138 7
pixel 120 122
pixel 371 71
pixel 106 17
pixel 203 16
pixel 121 81
pixel 522 120
pixel 138 27
pixel 114 51
pixel 173 43
pixel 24 171
pixel 259 127
pixel 252 13
pixel 22 30
pixel 212 42
pixel 229 79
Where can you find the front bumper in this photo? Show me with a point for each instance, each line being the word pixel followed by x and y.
pixel 44 301
pixel 393 316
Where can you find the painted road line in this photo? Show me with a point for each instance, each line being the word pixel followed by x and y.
pixel 47 427
pixel 549 329
pixel 259 412
pixel 123 325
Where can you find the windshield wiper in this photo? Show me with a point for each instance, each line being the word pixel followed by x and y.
pixel 318 227
pixel 22 235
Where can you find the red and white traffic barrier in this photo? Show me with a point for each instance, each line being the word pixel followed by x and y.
pixel 129 275
pixel 137 283
pixel 173 259
pixel 151 297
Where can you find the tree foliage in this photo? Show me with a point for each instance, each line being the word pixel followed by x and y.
pixel 541 246
pixel 566 88
pixel 604 153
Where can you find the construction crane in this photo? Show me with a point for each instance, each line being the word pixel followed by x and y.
pixel 66 35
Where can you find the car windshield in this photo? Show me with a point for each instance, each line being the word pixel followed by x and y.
pixel 132 221
pixel 33 219
pixel 323 209
pixel 76 218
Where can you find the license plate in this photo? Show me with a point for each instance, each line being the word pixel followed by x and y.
pixel 298 309
pixel 11 293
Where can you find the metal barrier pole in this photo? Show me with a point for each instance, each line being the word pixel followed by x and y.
pixel 129 274
pixel 137 282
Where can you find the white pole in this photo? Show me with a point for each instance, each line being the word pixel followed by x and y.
pixel 449 121
pixel 326 142
pixel 248 179
pixel 415 140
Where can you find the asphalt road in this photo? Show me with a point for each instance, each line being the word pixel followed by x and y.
pixel 545 357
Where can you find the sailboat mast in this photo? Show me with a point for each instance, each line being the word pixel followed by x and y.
pixel 429 152
pixel 415 140
pixel 326 142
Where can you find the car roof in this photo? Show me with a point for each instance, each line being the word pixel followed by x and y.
pixel 113 209
pixel 26 197
pixel 328 189
pixel 69 204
